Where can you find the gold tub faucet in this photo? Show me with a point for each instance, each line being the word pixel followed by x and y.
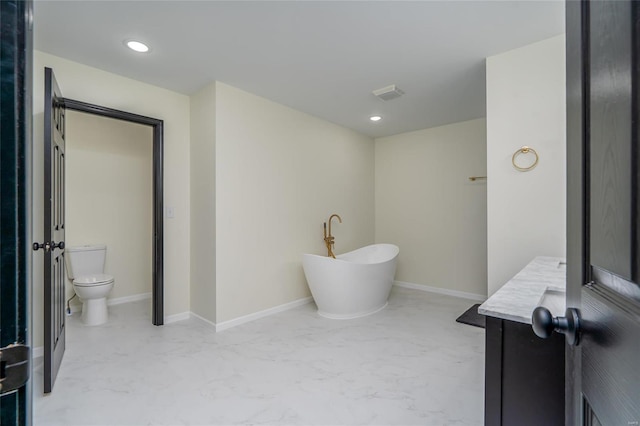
pixel 329 239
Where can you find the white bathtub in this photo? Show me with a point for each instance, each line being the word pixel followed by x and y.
pixel 353 284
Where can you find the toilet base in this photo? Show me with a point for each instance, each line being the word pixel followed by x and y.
pixel 94 311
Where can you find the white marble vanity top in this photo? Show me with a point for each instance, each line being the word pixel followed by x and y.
pixel 517 299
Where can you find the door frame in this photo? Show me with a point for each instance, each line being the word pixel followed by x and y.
pixel 158 192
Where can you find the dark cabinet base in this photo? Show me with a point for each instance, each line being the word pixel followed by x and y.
pixel 524 376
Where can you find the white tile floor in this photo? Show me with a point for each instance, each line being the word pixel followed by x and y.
pixel 410 364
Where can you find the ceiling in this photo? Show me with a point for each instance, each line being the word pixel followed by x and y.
pixel 321 57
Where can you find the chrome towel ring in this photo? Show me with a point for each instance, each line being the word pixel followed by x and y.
pixel 524 150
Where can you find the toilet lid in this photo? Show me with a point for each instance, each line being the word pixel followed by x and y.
pixel 95 279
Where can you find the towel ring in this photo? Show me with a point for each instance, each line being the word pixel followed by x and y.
pixel 524 150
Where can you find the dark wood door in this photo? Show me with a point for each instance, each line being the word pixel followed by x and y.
pixel 15 211
pixel 54 199
pixel 603 95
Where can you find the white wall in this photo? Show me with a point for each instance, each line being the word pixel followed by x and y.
pixel 427 206
pixel 525 106
pixel 203 203
pixel 92 85
pixel 109 196
pixel 280 174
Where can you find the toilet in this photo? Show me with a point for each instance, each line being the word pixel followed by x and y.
pixel 85 266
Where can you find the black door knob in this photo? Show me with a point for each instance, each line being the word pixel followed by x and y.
pixel 543 324
pixel 38 246
pixel 48 246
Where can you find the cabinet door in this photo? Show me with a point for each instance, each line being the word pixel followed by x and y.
pixel 524 376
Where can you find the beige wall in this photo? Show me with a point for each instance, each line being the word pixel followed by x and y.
pixel 99 87
pixel 109 196
pixel 427 206
pixel 203 203
pixel 525 106
pixel 252 182
pixel 280 173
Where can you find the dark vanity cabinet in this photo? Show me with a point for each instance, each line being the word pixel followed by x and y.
pixel 524 376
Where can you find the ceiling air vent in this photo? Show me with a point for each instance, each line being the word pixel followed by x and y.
pixel 388 93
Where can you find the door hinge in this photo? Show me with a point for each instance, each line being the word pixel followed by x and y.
pixel 14 367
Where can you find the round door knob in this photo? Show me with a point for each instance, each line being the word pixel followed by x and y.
pixel 543 324
pixel 48 246
pixel 38 246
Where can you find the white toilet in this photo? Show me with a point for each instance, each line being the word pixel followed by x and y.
pixel 85 266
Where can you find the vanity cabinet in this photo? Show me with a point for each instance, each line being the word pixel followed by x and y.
pixel 524 375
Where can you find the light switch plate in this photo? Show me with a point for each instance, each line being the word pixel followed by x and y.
pixel 171 212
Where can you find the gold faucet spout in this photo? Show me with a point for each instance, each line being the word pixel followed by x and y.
pixel 329 239
pixel 330 219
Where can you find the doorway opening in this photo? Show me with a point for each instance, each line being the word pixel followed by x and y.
pixel 157 251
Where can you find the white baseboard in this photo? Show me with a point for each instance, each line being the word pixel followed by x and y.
pixel 77 307
pixel 440 290
pixel 128 299
pixel 240 320
pixel 168 319
pixel 261 314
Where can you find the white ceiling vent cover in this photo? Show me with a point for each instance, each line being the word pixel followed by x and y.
pixel 388 93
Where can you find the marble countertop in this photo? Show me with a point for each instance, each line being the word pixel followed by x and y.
pixel 517 299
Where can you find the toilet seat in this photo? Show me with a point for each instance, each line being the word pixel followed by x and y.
pixel 93 280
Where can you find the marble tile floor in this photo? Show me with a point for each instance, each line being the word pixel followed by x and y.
pixel 410 364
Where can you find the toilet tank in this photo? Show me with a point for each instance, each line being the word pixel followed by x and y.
pixel 85 260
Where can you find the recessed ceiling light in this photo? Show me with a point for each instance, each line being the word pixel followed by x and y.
pixel 375 118
pixel 137 46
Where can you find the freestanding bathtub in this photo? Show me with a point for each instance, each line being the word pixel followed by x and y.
pixel 353 284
